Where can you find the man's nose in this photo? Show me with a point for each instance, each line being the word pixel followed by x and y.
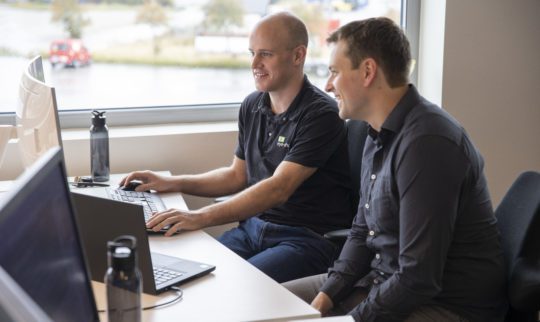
pixel 329 85
pixel 255 61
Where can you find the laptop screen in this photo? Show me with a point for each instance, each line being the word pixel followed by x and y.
pixel 40 248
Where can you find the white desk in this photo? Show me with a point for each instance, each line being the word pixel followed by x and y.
pixel 235 291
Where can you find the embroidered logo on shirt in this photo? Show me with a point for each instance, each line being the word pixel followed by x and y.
pixel 281 142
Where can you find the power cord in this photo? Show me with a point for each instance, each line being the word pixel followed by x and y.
pixel 177 298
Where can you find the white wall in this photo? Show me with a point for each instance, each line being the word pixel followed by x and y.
pixel 491 83
pixel 180 149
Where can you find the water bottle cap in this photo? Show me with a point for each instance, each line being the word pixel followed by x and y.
pixel 98 118
pixel 122 253
pixel 123 259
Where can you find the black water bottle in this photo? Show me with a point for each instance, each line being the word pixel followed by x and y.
pixel 123 281
pixel 99 147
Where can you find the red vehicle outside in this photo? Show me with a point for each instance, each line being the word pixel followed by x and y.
pixel 69 52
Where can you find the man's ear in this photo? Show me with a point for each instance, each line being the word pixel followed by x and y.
pixel 368 69
pixel 299 54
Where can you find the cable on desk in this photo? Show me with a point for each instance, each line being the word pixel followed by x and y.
pixel 177 298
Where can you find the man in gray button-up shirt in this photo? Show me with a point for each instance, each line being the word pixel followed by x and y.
pixel 424 245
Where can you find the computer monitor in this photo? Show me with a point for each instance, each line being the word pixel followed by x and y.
pixel 38 127
pixel 15 304
pixel 41 249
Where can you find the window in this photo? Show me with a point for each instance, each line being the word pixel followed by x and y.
pixel 138 58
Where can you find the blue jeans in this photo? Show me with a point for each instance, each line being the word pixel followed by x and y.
pixel 282 252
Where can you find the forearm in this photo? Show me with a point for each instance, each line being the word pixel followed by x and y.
pixel 352 265
pixel 215 183
pixel 394 299
pixel 262 196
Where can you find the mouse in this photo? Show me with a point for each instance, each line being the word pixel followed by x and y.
pixel 130 186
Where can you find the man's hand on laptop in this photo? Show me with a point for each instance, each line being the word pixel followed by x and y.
pixel 149 181
pixel 178 219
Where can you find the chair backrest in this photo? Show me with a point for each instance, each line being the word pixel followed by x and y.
pixel 518 217
pixel 356 135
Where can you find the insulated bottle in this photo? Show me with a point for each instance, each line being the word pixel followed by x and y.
pixel 99 147
pixel 123 281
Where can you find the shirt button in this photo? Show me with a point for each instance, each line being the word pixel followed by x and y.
pixel 377 256
pixel 366 206
pixel 375 281
pixel 373 176
pixel 371 233
pixel 270 134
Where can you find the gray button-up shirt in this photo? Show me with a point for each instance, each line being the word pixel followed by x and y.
pixel 424 232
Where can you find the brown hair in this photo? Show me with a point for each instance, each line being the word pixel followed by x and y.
pixel 380 39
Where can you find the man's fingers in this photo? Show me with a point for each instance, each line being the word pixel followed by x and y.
pixel 173 229
pixel 158 217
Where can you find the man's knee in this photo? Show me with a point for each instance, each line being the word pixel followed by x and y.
pixel 306 288
pixel 237 241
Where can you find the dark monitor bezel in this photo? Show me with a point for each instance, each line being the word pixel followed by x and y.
pixel 29 180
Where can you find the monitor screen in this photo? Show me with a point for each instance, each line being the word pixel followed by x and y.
pixel 38 128
pixel 15 304
pixel 41 249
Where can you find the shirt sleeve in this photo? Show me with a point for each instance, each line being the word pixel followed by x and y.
pixel 429 175
pixel 352 264
pixel 318 137
pixel 240 152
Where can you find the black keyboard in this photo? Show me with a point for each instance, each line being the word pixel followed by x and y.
pixel 162 275
pixel 151 202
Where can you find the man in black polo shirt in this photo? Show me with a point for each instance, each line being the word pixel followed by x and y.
pixel 290 170
pixel 424 245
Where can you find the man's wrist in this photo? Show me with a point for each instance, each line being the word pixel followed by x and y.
pixel 176 183
pixel 323 303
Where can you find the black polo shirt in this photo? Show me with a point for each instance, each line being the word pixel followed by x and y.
pixel 309 133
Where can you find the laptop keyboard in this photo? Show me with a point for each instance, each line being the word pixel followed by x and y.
pixel 151 202
pixel 163 275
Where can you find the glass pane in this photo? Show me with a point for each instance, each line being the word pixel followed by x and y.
pixel 133 53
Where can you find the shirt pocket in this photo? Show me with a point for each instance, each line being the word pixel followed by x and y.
pixel 385 207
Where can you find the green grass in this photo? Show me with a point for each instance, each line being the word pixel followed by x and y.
pixel 174 52
pixel 8 52
pixel 161 61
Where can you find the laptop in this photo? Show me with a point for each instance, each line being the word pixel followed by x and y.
pixel 102 219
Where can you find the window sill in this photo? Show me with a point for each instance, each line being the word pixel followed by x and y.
pixel 154 130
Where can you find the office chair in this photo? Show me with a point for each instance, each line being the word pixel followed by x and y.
pixel 518 217
pixel 356 136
